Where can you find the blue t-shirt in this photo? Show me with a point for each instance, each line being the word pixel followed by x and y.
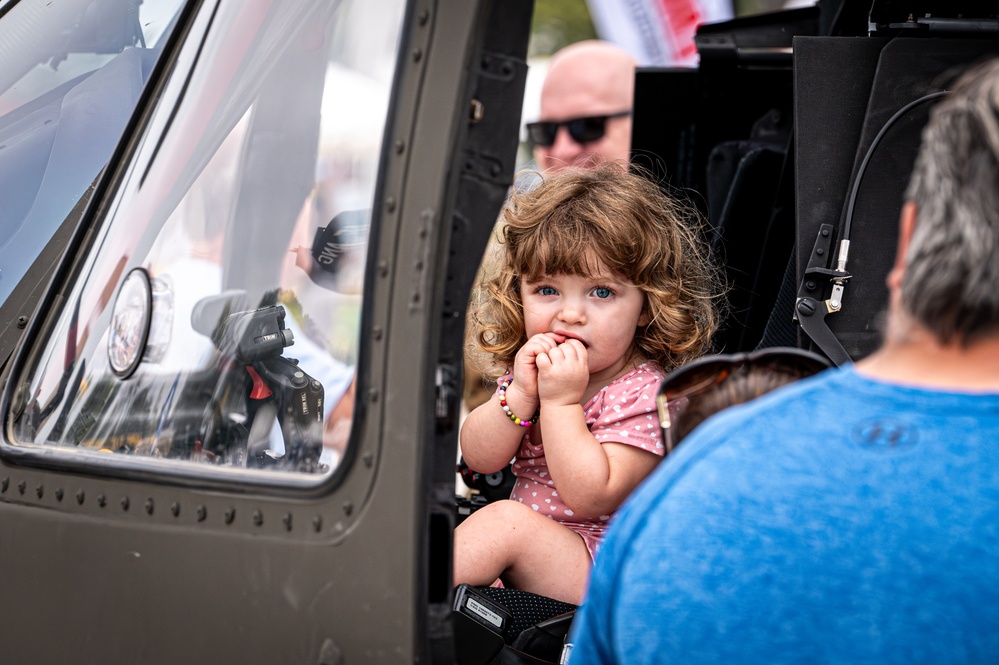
pixel 838 520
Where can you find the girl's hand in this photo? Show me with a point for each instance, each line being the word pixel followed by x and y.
pixel 525 364
pixel 563 374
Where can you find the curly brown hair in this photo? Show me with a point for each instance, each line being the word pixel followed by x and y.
pixel 634 228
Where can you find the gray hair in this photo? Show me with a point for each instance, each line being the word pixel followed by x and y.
pixel 951 281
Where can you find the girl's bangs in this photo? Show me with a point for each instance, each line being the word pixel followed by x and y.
pixel 566 249
pixel 554 258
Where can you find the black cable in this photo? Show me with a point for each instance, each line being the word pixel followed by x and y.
pixel 848 223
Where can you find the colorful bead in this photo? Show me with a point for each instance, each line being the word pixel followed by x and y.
pixel 509 414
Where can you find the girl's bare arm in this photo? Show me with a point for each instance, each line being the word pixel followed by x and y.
pixel 592 478
pixel 489 439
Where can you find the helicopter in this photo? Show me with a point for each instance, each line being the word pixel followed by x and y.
pixel 237 242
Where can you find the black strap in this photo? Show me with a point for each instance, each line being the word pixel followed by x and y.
pixel 809 310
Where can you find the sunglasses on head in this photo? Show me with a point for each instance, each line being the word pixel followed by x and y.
pixel 582 130
pixel 698 376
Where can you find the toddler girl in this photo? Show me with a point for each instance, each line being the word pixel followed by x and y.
pixel 604 287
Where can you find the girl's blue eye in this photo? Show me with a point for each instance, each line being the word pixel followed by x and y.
pixel 602 292
pixel 546 291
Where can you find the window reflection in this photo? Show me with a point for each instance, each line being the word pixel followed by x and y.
pixel 71 73
pixel 251 223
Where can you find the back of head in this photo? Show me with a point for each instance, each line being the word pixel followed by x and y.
pixel 951 280
pixel 711 384
pixel 738 389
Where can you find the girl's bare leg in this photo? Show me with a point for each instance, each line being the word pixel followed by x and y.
pixel 528 551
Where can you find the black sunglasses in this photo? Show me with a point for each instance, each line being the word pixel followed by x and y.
pixel 582 130
pixel 698 376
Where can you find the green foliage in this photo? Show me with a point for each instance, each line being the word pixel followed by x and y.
pixel 558 23
pixel 748 7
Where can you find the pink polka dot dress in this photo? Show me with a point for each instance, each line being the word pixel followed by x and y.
pixel 622 412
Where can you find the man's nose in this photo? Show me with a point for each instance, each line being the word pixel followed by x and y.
pixel 564 144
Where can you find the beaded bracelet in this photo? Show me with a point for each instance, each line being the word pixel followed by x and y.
pixel 509 413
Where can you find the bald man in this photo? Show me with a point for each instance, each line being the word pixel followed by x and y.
pixel 585 107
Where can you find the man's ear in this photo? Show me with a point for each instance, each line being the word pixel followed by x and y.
pixel 906 226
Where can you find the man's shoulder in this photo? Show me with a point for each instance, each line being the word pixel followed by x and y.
pixel 830 389
pixel 753 428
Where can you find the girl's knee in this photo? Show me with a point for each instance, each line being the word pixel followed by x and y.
pixel 508 508
pixel 497 512
pixel 499 518
pixel 512 515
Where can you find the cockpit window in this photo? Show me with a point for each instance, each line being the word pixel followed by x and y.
pixel 215 324
pixel 70 76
